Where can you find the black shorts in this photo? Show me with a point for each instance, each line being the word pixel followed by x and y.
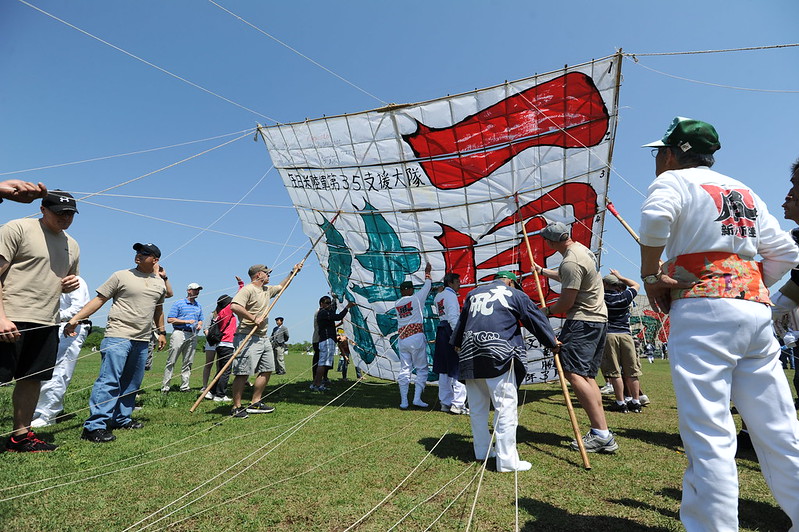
pixel 583 346
pixel 32 356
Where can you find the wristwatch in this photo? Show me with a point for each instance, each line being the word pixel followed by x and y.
pixel 651 278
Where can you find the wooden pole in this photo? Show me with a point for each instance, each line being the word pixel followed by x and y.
pixel 564 388
pixel 615 213
pixel 293 274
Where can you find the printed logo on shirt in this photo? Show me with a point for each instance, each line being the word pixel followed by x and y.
pixel 405 310
pixel 482 303
pixel 440 305
pixel 737 212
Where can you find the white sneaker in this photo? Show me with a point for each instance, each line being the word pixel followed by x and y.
pixel 209 396
pixel 459 410
pixel 644 400
pixel 40 422
pixel 521 465
pixel 224 399
pixel 607 389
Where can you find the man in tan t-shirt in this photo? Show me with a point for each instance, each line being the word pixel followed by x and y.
pixel 38 261
pixel 138 295
pixel 582 300
pixel 256 356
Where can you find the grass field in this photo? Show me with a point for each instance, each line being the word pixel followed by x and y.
pixel 322 462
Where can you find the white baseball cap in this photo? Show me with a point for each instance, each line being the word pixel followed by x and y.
pixel 194 286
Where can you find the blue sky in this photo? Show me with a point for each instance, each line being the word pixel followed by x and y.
pixel 66 97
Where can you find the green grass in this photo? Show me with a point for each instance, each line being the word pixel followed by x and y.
pixel 314 467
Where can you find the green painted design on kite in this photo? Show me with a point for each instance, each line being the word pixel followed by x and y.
pixel 364 345
pixel 387 259
pixel 339 262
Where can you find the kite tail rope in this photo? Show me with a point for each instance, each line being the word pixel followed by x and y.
pixel 243 343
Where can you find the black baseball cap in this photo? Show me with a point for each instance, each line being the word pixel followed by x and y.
pixel 147 249
pixel 59 201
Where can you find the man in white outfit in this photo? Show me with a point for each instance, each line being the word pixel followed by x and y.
pixel 51 395
pixel 451 392
pixel 412 343
pixel 722 345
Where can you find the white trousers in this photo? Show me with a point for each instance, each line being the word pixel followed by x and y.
pixel 501 391
pixel 451 391
pixel 180 343
pixel 722 349
pixel 413 355
pixel 51 395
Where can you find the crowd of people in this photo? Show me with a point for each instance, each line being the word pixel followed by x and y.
pixel 708 227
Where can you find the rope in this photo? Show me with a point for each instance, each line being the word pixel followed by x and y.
pixel 256 28
pixel 185 200
pixel 714 84
pixel 148 63
pixel 94 159
pixel 767 47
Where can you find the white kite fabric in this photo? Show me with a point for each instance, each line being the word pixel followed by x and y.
pixel 453 182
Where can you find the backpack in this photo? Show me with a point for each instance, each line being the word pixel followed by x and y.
pixel 214 334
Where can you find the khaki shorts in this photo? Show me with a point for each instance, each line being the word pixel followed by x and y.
pixel 620 357
pixel 256 357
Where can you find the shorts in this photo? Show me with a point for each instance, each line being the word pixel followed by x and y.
pixel 327 348
pixel 32 356
pixel 256 357
pixel 583 346
pixel 620 357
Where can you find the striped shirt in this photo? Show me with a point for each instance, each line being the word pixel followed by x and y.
pixel 184 309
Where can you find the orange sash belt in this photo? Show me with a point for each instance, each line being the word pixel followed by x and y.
pixel 719 274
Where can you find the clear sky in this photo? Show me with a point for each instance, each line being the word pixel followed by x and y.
pixel 67 97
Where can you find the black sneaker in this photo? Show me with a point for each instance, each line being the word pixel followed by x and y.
pixel 28 444
pixel 98 435
pixel 260 408
pixel 132 425
pixel 616 407
pixel 239 412
pixel 634 407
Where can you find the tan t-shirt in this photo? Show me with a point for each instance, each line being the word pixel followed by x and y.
pixel 255 299
pixel 579 271
pixel 38 259
pixel 135 296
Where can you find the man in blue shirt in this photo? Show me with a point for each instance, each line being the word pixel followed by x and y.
pixel 186 317
pixel 620 364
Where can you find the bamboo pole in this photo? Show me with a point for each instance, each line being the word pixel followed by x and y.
pixel 243 343
pixel 564 388
pixel 615 213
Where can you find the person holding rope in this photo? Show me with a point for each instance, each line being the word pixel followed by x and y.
pixel 256 357
pixel 491 351
pixel 721 345
pixel 412 342
pixel 38 262
pixel 326 320
pixel 451 392
pixel 186 318
pixel 138 296
pixel 582 299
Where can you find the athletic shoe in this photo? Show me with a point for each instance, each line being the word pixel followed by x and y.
pixel 459 410
pixel 132 425
pixel 607 389
pixel 223 399
pixel 40 422
pixel 644 400
pixel 616 407
pixel 209 396
pixel 165 389
pixel 260 408
pixel 185 389
pixel 28 444
pixel 634 407
pixel 239 412
pixel 98 436
pixel 594 444
pixel 445 408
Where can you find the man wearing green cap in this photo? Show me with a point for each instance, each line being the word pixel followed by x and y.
pixel 721 346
